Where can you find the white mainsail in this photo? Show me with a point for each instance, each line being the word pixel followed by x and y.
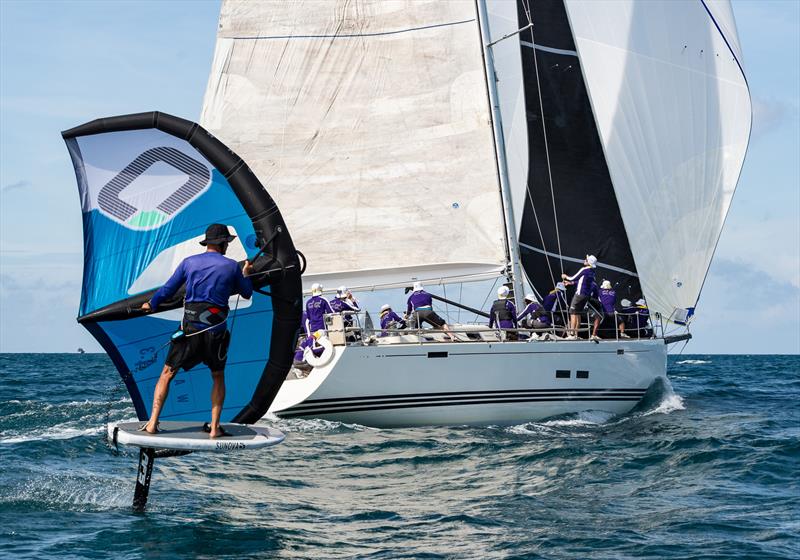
pixel 370 125
pixel 673 109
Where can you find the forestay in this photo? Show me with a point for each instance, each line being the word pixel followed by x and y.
pixel 369 123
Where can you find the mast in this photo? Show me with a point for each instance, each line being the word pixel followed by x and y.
pixel 500 154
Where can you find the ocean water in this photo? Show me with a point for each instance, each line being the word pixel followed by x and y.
pixel 707 468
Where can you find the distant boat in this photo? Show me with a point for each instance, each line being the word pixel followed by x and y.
pixel 81 351
pixel 454 142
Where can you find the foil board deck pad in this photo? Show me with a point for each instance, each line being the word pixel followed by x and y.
pixel 190 436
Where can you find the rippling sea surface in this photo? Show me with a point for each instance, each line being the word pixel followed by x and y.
pixel 706 469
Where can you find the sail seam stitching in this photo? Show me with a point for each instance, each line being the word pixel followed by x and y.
pixel 351 35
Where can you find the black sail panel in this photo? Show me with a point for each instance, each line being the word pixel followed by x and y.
pixel 571 209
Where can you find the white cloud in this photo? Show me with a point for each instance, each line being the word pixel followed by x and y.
pixel 744 311
pixel 768 115
pixel 18 185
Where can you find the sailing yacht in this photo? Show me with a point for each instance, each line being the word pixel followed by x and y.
pixel 486 141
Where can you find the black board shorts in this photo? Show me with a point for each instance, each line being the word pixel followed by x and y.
pixel 209 347
pixel 429 316
pixel 578 303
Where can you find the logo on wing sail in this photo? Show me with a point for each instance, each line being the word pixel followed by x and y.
pixel 153 188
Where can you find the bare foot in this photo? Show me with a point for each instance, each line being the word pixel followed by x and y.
pixel 215 431
pixel 150 428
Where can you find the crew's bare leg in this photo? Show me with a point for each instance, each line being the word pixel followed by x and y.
pixel 217 400
pixel 159 396
pixel 573 324
pixel 447 331
pixel 596 326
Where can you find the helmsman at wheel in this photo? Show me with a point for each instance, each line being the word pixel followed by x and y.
pixel 210 279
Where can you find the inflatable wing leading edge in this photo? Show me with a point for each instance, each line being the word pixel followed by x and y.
pixel 150 184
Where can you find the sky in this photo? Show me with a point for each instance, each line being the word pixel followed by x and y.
pixel 64 63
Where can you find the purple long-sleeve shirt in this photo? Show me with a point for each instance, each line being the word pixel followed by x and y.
pixel 508 319
pixel 316 308
pixel 532 309
pixel 419 300
pixel 393 319
pixel 584 278
pixel 209 277
pixel 342 304
pixel 554 300
pixel 608 298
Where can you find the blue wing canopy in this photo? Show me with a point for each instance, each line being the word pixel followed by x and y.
pixel 149 185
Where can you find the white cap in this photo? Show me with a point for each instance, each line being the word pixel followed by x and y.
pixel 641 303
pixel 530 297
pixel 316 289
pixel 341 290
pixel 385 307
pixel 625 303
pixel 606 285
pixel 592 260
pixel 502 292
pixel 417 286
pixel 561 287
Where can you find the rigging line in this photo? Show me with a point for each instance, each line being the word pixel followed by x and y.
pixel 483 305
pixel 546 146
pixel 446 307
pixel 460 298
pixel 528 186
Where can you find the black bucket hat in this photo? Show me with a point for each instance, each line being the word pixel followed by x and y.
pixel 217 234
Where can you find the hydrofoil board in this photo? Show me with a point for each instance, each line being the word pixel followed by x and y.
pixel 191 436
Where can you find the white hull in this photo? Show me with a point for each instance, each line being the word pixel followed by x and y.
pixel 475 383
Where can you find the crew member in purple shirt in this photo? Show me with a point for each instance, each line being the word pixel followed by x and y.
pixel 503 314
pixel 210 279
pixel 420 309
pixel 608 299
pixel 555 303
pixel 583 280
pixel 390 320
pixel 534 315
pixel 316 309
pixel 346 304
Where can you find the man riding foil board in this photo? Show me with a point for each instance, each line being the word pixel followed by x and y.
pixel 210 279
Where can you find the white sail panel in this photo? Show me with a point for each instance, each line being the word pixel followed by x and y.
pixel 369 124
pixel 673 110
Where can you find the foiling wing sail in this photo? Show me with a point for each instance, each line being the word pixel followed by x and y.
pixel 369 120
pixel 625 127
pixel 149 185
